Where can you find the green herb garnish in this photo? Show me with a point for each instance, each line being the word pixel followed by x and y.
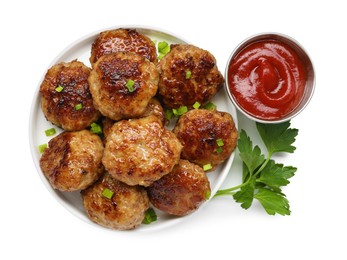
pixel 180 111
pixel 107 193
pixel 130 85
pixel 168 114
pixel 196 105
pixel 50 132
pixel 207 167
pixel 210 106
pixel 263 178
pixel 95 128
pixel 78 106
pixel 150 216
pixel 59 88
pixel 188 74
pixel 42 147
pixel 163 49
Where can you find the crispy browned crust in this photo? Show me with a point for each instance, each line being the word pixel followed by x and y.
pixel 59 107
pixel 123 40
pixel 72 160
pixel 108 85
pixel 205 80
pixel 125 210
pixel 182 191
pixel 140 151
pixel 198 130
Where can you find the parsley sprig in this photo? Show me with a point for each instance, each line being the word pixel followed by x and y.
pixel 262 177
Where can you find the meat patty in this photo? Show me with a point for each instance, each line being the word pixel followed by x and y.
pixel 122 84
pixel 72 160
pixel 140 151
pixel 154 108
pixel 123 40
pixel 121 207
pixel 207 136
pixel 188 74
pixel 182 191
pixel 65 97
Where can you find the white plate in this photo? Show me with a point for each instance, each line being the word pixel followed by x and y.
pixel 80 50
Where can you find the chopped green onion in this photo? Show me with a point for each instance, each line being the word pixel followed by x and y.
pixel 78 106
pixel 150 216
pixel 210 106
pixel 50 132
pixel 207 194
pixel 180 111
pixel 107 193
pixel 188 74
pixel 42 147
pixel 207 167
pixel 168 114
pixel 196 105
pixel 59 88
pixel 219 150
pixel 95 128
pixel 163 49
pixel 130 85
pixel 220 142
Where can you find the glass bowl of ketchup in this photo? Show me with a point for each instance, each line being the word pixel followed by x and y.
pixel 270 78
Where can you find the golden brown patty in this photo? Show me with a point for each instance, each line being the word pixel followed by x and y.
pixel 122 208
pixel 123 40
pixel 201 133
pixel 109 84
pixel 182 191
pixel 188 74
pixel 140 151
pixel 65 97
pixel 154 108
pixel 72 160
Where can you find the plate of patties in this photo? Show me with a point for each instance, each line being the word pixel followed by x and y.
pixel 131 125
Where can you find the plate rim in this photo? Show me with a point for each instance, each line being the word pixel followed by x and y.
pixel 35 106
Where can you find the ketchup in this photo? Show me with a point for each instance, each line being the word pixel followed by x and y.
pixel 267 79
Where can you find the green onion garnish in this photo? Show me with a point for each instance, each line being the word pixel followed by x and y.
pixel 219 150
pixel 180 111
pixel 42 147
pixel 95 128
pixel 130 85
pixel 107 193
pixel 220 142
pixel 210 106
pixel 207 167
pixel 188 74
pixel 196 105
pixel 150 216
pixel 207 194
pixel 78 106
pixel 163 49
pixel 168 114
pixel 50 132
pixel 59 88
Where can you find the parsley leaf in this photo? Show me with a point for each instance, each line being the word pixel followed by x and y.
pixel 276 175
pixel 245 194
pixel 273 202
pixel 251 157
pixel 263 179
pixel 278 137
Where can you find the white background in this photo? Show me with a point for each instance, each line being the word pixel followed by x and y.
pixel 34 225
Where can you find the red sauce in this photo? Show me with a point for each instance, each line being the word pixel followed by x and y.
pixel 267 79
